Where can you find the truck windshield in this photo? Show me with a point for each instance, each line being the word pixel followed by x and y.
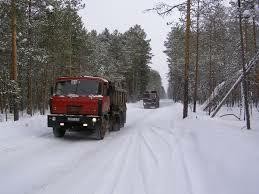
pixel 146 95
pixel 149 95
pixel 153 95
pixel 77 87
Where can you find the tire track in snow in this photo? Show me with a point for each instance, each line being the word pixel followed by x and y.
pixel 82 163
pixel 138 159
pixel 12 144
pixel 175 149
pixel 164 140
pixel 144 162
pixel 177 152
pixel 185 169
pixel 57 153
pixel 124 165
pixel 193 171
pixel 24 148
pixel 127 147
pixel 137 121
pixel 141 169
pixel 149 148
pixel 128 160
pixel 56 147
pixel 156 178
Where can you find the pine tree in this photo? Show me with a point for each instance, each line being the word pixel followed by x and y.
pixel 13 71
pixel 245 89
pixel 187 60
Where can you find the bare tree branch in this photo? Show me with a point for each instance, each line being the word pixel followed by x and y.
pixel 164 9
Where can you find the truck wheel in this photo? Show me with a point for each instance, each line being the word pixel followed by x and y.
pixel 59 132
pixel 100 133
pixel 121 120
pixel 110 125
pixel 116 124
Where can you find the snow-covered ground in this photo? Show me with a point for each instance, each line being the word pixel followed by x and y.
pixel 156 153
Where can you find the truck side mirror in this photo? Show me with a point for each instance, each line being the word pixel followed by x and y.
pixel 51 90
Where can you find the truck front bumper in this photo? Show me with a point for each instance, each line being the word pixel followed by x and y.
pixel 73 121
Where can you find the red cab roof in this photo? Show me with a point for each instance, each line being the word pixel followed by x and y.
pixel 82 78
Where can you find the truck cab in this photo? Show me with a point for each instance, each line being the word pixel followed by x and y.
pixel 151 99
pixel 85 103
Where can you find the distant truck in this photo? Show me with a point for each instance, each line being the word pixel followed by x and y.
pixel 86 103
pixel 151 99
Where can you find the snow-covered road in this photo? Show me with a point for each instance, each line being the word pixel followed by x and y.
pixel 155 153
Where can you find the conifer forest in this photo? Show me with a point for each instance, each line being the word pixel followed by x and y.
pixel 43 40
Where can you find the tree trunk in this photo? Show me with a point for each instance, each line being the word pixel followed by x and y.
pixel 70 52
pixel 54 72
pixel 1 104
pixel 256 68
pixel 244 69
pixel 246 37
pixel 210 68
pixel 197 59
pixel 13 71
pixel 242 101
pixel 29 105
pixel 187 59
pixel 70 42
pixel 2 97
pixel 44 94
pixel 254 34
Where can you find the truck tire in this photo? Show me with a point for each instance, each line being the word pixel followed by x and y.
pixel 100 135
pixel 59 131
pixel 121 120
pixel 116 124
pixel 100 131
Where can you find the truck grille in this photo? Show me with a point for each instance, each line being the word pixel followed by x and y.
pixel 73 109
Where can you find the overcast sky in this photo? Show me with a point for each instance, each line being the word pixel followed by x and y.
pixel 123 14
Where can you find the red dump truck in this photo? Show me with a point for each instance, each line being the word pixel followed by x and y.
pixel 86 103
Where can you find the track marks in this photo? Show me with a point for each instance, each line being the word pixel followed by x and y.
pixel 147 156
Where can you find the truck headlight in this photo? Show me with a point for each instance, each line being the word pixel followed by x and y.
pixel 94 120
